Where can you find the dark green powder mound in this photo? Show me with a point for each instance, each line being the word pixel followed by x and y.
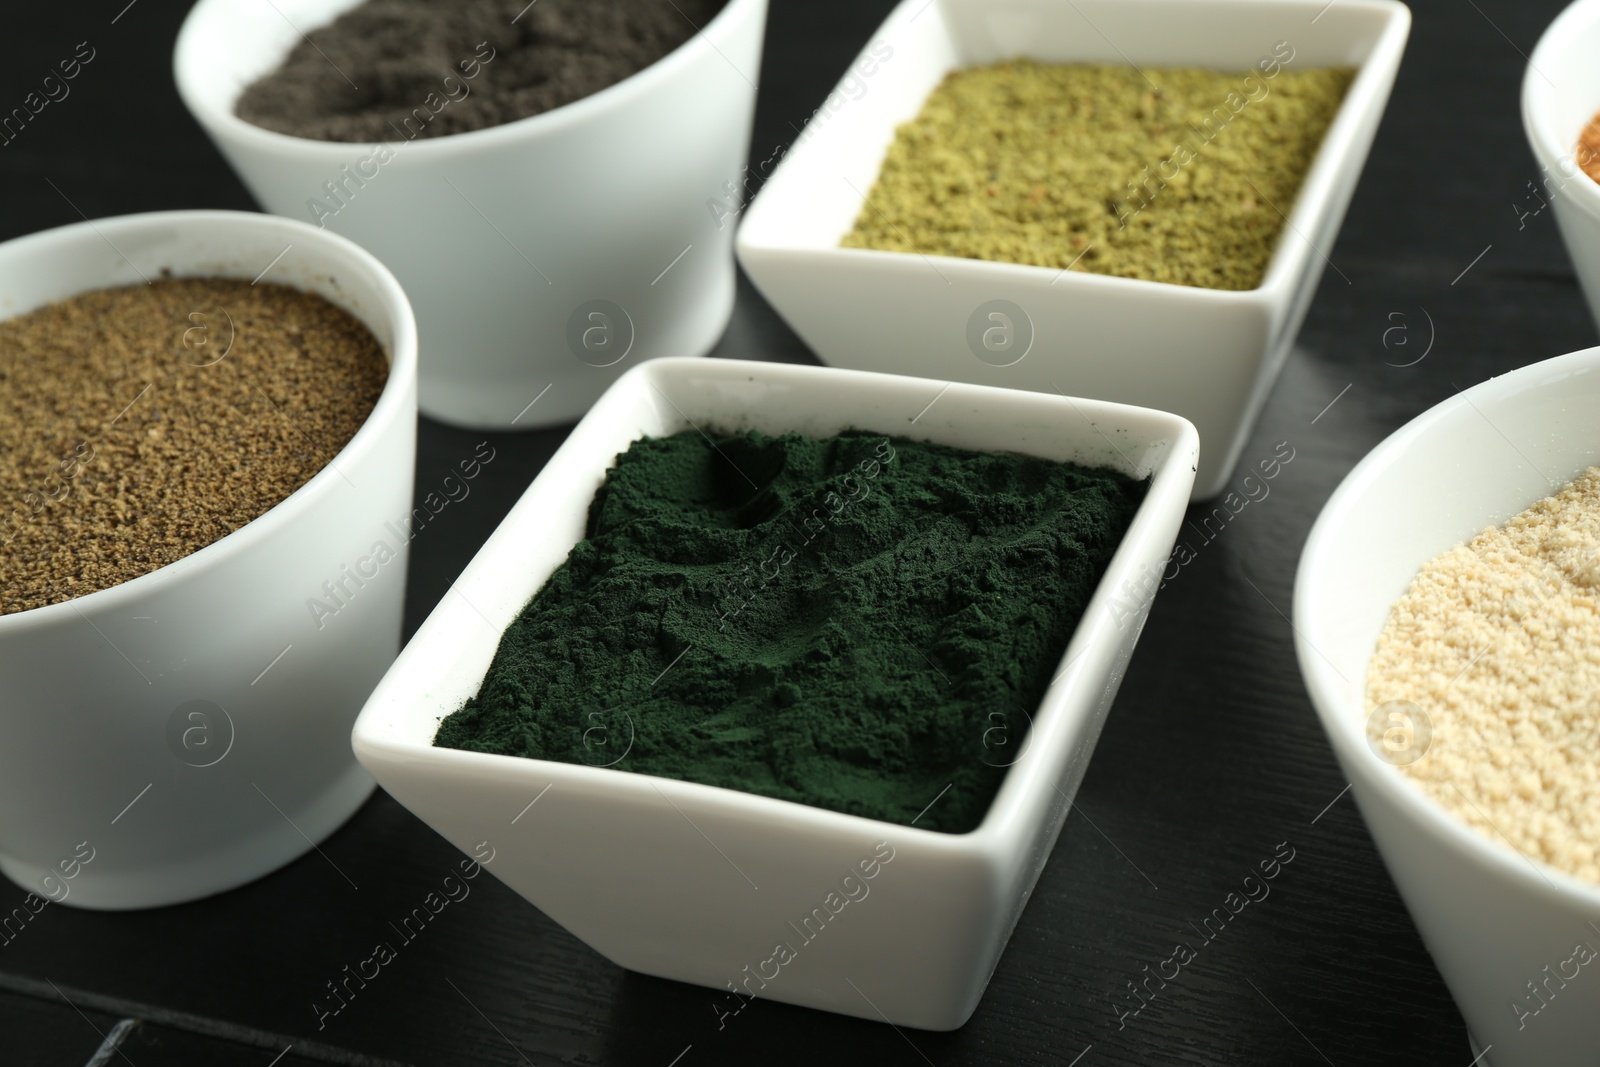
pixel 857 623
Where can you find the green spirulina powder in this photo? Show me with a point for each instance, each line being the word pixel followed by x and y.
pixel 860 623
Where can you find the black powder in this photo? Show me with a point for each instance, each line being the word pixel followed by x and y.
pixel 422 68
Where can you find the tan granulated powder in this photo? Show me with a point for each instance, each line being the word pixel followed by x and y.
pixel 121 450
pixel 1498 642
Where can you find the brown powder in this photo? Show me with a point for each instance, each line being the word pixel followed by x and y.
pixel 401 69
pixel 140 424
pixel 1588 150
pixel 1497 642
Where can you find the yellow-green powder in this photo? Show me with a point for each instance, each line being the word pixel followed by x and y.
pixel 1171 174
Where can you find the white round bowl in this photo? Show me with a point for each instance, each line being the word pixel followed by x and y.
pixel 1493 919
pixel 509 239
pixel 1560 94
pixel 188 730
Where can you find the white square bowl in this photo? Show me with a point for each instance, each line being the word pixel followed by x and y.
pixel 1208 354
pixel 698 883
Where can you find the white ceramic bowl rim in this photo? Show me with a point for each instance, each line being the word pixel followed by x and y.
pixel 612 97
pixel 402 367
pixel 999 272
pixel 1319 180
pixel 1346 724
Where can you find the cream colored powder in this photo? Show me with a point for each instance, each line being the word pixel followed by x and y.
pixel 1498 642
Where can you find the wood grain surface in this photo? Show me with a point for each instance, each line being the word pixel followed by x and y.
pixel 1211 757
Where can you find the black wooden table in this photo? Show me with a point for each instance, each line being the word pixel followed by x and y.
pixel 1211 758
